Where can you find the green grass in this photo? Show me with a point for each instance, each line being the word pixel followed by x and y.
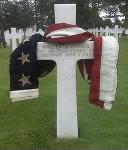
pixel 32 123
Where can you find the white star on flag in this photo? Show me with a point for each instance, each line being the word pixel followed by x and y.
pixel 24 58
pixel 24 80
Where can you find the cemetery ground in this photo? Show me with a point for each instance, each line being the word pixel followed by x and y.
pixel 32 123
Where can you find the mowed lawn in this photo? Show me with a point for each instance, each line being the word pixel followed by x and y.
pixel 32 123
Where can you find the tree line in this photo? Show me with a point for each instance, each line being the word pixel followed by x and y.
pixel 26 13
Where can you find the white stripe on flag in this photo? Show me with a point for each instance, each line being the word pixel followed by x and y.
pixel 108 72
pixel 66 32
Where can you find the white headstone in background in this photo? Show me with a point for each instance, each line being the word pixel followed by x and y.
pixel 14 37
pixel 97 32
pixel 120 32
pixel 116 31
pixel 21 35
pixel 101 31
pixel 29 32
pixel 106 31
pixel 126 31
pixel 7 37
pixel 94 31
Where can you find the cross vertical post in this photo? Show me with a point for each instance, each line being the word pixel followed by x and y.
pixel 67 125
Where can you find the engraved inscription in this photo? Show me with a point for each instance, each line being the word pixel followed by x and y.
pixel 76 50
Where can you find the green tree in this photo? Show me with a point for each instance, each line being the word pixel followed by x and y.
pixel 15 14
pixel 115 9
pixel 3 4
pixel 123 6
pixel 25 13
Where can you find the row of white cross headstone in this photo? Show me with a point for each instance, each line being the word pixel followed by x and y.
pixel 19 35
pixel 116 31
pixel 14 37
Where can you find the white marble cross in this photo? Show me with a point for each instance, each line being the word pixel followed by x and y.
pixel 7 37
pixel 66 57
pixel 13 36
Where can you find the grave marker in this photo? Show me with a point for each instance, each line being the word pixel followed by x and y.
pixel 116 31
pixel 106 31
pixel 29 32
pixel 101 31
pixel 7 39
pixel 13 37
pixel 126 32
pixel 21 35
pixel 66 57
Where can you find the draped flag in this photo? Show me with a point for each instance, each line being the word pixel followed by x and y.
pixel 66 33
pixel 25 69
pixel 100 73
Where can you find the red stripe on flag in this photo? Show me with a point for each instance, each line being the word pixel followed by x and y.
pixel 71 39
pixel 58 26
pixel 95 74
